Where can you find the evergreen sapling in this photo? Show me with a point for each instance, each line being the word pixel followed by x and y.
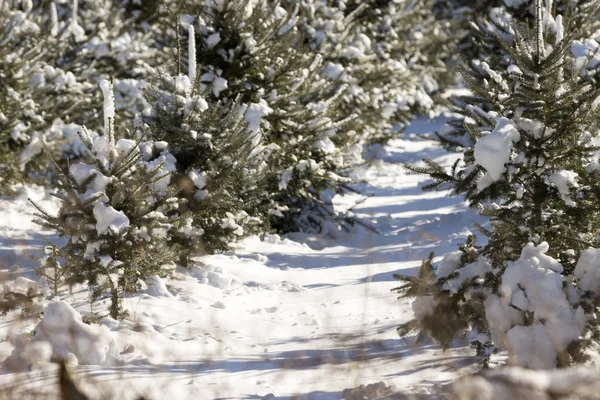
pixel 533 173
pixel 118 213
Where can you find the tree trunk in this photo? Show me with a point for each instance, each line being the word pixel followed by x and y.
pixel 114 301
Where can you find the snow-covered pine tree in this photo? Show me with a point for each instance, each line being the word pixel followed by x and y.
pixel 35 99
pixel 98 40
pixel 46 95
pixel 477 27
pixel 534 174
pixel 118 213
pixel 390 52
pixel 252 55
pixel 216 174
pixel 51 270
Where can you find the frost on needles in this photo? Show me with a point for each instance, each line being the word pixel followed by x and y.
pixel 530 288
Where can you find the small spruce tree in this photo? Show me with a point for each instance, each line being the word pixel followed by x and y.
pixel 478 28
pixel 118 213
pixel 532 171
pixel 51 270
pixel 253 56
pixel 216 174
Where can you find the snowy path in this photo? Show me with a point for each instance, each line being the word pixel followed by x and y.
pixel 305 315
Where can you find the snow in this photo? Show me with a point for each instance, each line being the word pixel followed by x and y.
pixel 191 54
pixel 62 335
pixel 423 307
pixel 533 284
pixel 515 3
pixel 586 53
pixel 253 116
pixel 82 172
pixel 219 85
pixel 520 383
pixel 560 34
pixel 76 30
pixel 109 220
pixel 157 287
pixel 53 19
pixel 92 344
pixel 588 270
pixel 109 105
pixel 531 347
pixel 564 181
pixel 280 313
pixel 213 40
pixel 514 69
pixel 333 71
pixel 469 271
pixel 494 150
pixel 199 178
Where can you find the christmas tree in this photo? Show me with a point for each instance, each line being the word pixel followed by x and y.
pixel 217 174
pixel 252 57
pixel 391 53
pixel 118 213
pixel 478 26
pixel 33 98
pixel 531 170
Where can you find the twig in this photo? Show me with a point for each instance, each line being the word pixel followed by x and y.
pixel 364 224
pixel 166 326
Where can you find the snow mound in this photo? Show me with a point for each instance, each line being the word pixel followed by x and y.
pixel 518 383
pixel 157 287
pixel 377 390
pixel 61 335
pixel 64 330
pixel 213 275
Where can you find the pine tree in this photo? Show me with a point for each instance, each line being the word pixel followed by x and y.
pixel 46 94
pixel 477 30
pixel 391 53
pixel 251 55
pixel 118 213
pixel 217 174
pixel 532 171
pixel 51 270
pixel 97 40
pixel 32 96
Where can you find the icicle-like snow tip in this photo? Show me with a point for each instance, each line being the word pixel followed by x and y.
pixel 53 19
pixel 109 106
pixel 559 29
pixel 191 54
pixel 77 31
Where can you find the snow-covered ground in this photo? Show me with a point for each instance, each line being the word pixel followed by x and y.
pixel 303 315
